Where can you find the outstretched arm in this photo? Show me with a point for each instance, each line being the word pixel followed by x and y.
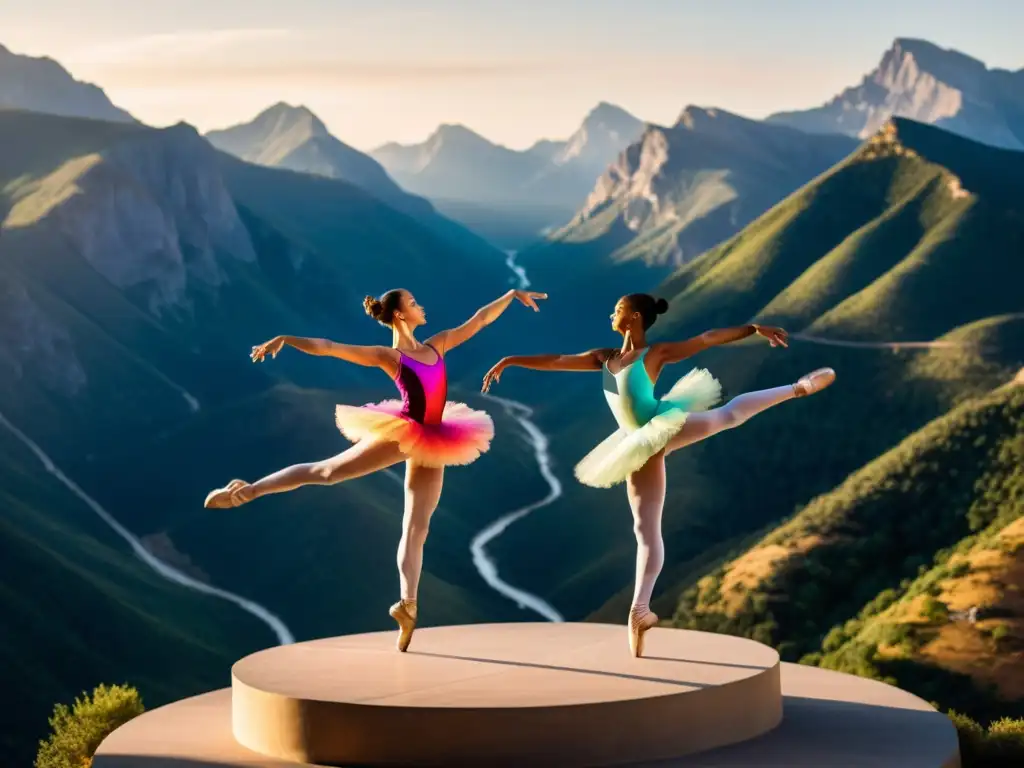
pixel 670 352
pixel 371 357
pixel 450 339
pixel 585 361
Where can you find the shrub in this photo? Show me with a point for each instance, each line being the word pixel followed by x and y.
pixel 999 631
pixel 1005 738
pixel 934 610
pixel 1001 746
pixel 78 731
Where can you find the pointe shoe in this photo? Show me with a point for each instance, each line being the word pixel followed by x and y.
pixel 639 623
pixel 815 381
pixel 226 497
pixel 405 614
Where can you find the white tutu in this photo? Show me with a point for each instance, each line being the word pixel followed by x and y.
pixel 626 451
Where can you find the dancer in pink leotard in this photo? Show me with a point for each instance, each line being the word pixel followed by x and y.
pixel 423 429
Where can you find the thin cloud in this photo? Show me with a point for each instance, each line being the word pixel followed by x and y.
pixel 313 72
pixel 189 43
pixel 183 44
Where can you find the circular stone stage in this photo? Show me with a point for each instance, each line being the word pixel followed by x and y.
pixel 504 694
pixel 535 694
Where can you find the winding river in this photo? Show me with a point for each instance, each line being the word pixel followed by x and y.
pixel 485 565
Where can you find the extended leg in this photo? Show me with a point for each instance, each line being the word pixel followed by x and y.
pixel 361 459
pixel 645 489
pixel 422 493
pixel 702 425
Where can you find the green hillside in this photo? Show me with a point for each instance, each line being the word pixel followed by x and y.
pixel 878 248
pixel 868 573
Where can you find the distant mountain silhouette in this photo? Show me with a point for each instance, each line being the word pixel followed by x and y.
pixel 920 80
pixel 480 182
pixel 40 84
pixel 286 136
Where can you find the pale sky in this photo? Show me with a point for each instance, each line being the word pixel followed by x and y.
pixel 514 71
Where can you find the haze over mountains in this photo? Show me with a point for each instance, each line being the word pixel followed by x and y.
pixel 456 163
pixel 479 182
pixel 285 136
pixel 920 80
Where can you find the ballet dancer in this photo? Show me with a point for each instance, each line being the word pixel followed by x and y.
pixel 423 429
pixel 651 428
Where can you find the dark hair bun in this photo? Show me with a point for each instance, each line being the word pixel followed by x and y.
pixel 373 307
pixel 661 306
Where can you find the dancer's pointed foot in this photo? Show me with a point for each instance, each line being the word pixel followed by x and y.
pixel 404 612
pixel 815 381
pixel 641 619
pixel 233 494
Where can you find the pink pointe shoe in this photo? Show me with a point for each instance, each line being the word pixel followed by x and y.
pixel 815 381
pixel 639 622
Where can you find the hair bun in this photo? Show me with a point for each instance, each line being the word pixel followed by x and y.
pixel 661 306
pixel 373 307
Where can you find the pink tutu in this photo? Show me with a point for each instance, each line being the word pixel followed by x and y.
pixel 461 436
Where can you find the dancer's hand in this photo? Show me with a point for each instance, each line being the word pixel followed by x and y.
pixel 776 336
pixel 493 376
pixel 272 347
pixel 528 298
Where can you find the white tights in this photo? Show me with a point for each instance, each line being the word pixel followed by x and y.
pixel 422 493
pixel 645 488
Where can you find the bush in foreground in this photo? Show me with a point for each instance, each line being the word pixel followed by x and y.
pixel 77 732
pixel 1000 746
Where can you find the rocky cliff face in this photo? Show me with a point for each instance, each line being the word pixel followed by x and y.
pixel 153 213
pixel 702 178
pixel 34 346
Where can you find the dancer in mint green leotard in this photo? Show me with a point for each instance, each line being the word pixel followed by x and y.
pixel 650 428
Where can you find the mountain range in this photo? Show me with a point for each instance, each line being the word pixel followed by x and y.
pixel 919 80
pixel 673 195
pixel 479 182
pixel 680 190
